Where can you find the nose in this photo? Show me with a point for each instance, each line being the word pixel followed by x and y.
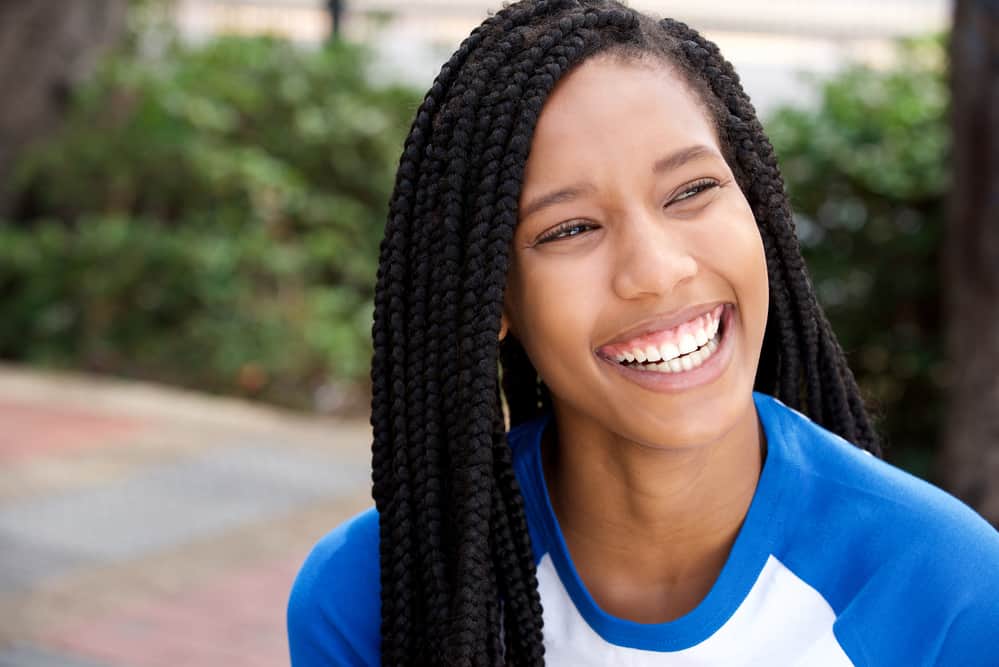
pixel 653 258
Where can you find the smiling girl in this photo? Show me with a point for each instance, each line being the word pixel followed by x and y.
pixel 683 476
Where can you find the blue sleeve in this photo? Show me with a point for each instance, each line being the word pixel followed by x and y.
pixel 334 611
pixel 934 602
pixel 971 640
pixel 972 637
pixel 911 572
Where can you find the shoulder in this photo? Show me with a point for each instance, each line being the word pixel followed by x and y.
pixel 886 504
pixel 910 570
pixel 334 613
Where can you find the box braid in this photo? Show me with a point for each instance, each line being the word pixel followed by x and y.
pixel 458 584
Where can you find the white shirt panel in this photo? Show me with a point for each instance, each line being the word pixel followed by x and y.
pixel 783 621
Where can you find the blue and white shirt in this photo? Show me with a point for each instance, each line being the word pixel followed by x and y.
pixel 842 560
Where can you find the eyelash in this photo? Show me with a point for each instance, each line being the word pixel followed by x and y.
pixel 690 192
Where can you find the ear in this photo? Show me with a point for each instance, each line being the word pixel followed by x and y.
pixel 504 327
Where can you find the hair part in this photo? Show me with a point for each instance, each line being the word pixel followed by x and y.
pixel 458 582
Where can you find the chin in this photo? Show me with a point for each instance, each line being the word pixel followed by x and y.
pixel 694 427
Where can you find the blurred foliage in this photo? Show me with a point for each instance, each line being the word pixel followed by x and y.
pixel 209 216
pixel 867 172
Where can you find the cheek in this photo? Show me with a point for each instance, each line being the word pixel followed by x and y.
pixel 754 261
pixel 728 245
pixel 733 240
pixel 552 310
pixel 747 267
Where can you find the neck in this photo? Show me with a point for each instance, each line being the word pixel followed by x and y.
pixel 650 519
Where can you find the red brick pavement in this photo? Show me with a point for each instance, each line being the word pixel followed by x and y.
pixel 238 619
pixel 31 430
pixel 217 601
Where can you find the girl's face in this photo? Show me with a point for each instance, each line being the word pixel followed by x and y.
pixel 635 240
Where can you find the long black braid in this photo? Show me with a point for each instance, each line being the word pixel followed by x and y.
pixel 457 572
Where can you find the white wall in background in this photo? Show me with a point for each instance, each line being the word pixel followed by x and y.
pixel 768 41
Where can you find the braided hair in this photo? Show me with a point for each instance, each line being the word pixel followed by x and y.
pixel 458 583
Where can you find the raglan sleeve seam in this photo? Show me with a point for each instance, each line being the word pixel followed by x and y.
pixel 853 645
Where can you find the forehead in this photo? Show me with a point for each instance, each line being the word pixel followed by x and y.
pixel 608 107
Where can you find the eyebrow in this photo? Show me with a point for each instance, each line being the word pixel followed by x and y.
pixel 556 197
pixel 681 157
pixel 665 164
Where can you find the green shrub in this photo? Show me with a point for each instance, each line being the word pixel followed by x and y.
pixel 211 217
pixel 225 313
pixel 867 172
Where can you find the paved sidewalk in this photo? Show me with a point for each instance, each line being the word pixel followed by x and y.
pixel 147 527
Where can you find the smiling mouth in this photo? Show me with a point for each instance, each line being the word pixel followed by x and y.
pixel 684 352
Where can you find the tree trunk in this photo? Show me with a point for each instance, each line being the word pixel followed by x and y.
pixel 46 47
pixel 970 456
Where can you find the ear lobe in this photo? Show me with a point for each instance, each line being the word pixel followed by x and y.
pixel 504 328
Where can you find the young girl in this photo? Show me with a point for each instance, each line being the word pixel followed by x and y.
pixel 591 188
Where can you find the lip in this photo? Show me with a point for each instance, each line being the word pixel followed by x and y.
pixel 704 374
pixel 661 322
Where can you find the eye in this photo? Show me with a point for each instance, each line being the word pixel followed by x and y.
pixel 566 230
pixel 692 190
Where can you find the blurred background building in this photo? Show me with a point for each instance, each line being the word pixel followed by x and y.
pixel 768 41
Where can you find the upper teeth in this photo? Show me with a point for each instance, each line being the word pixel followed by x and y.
pixel 696 334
